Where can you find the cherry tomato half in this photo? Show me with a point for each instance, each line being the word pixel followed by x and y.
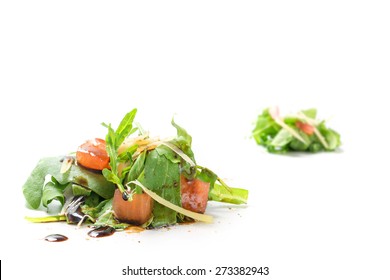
pixel 92 154
pixel 306 128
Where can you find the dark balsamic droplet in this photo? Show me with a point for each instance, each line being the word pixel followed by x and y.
pixel 101 232
pixel 125 196
pixel 56 238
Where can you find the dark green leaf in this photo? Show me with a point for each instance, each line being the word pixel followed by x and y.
pixel 125 127
pixel 315 147
pixel 168 153
pixel 89 179
pixel 127 156
pixel 162 176
pixel 206 175
pixel 92 200
pixel 183 141
pixel 113 140
pixel 33 187
pixel 92 207
pixel 298 145
pixel 182 135
pixel 137 167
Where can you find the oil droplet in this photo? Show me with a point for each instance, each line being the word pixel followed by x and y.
pixel 56 238
pixel 134 229
pixel 101 232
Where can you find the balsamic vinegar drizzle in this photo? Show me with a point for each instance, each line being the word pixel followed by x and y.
pixel 101 232
pixel 56 238
pixel 104 231
pixel 95 233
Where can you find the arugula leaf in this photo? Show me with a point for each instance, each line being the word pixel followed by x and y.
pixel 137 168
pixel 93 207
pixel 113 140
pixel 125 127
pixel 168 153
pixel 112 147
pixel 111 176
pixel 183 141
pixel 182 136
pixel 33 188
pixel 206 175
pixel 92 200
pixel 162 176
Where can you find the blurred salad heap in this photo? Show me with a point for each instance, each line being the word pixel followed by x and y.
pixel 297 132
pixel 128 179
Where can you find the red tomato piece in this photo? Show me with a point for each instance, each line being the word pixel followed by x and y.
pixel 305 127
pixel 194 194
pixel 92 154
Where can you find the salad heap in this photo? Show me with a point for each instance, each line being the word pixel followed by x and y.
pixel 128 179
pixel 298 132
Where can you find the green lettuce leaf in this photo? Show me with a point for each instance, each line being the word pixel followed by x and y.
pixel 183 141
pixel 113 140
pixel 137 168
pixel 53 190
pixel 162 176
pixel 33 188
pixel 229 195
pixel 80 190
pixel 282 138
pixel 266 128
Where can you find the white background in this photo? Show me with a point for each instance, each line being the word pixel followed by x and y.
pixel 65 67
